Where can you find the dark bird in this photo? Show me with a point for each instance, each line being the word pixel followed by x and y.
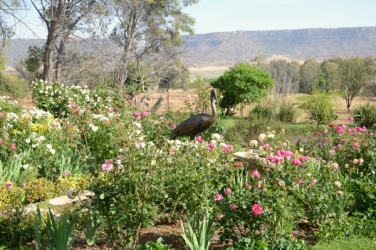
pixel 198 123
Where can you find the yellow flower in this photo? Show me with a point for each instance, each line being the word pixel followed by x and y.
pixel 15 131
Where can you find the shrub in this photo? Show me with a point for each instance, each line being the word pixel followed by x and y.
pixel 365 115
pixel 245 130
pixel 319 108
pixel 287 111
pixel 39 190
pixel 11 84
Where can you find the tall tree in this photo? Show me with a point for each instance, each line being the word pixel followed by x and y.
pixel 309 72
pixel 329 79
pixel 286 76
pixel 61 18
pixel 353 73
pixel 146 27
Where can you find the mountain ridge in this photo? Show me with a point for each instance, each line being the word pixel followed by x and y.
pixel 228 48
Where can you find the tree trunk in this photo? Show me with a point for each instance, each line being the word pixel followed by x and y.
pixel 53 30
pixel 60 52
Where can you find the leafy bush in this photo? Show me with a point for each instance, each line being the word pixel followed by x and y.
pixel 11 84
pixel 39 189
pixel 245 130
pixel 365 115
pixel 319 107
pixel 287 111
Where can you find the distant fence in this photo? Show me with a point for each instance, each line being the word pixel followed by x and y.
pixel 175 102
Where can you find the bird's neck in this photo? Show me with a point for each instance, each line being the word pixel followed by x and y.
pixel 214 110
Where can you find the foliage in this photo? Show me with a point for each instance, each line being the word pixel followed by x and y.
pixel 11 84
pixel 60 232
pixel 365 115
pixel 242 83
pixel 39 189
pixel 199 231
pixel 244 130
pixel 287 111
pixel 15 227
pixel 154 245
pixel 354 77
pixel 309 72
pixel 319 107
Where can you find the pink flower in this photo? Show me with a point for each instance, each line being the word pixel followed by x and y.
pixel 246 185
pixel 13 147
pixel 136 114
pixel 233 207
pixel 256 174
pixel 173 126
pixel 356 145
pixel 199 139
pixel 238 164
pixel 340 129
pixel 331 125
pixel 107 166
pixel 325 131
pixel 313 181
pixel 228 148
pixel 304 158
pixel 218 197
pixel 296 162
pixel 351 119
pixel 355 161
pixel 257 209
pixel 266 146
pixel 210 146
pixel 299 181
pixel 1 141
pixel 66 172
pixel 325 138
pixel 143 114
pixel 9 185
pixel 228 191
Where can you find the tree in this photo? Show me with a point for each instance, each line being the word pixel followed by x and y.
pixel 147 27
pixel 354 76
pixel 329 79
pixel 241 83
pixel 285 75
pixel 34 60
pixel 61 18
pixel 309 72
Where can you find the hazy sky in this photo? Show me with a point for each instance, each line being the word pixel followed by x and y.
pixel 233 15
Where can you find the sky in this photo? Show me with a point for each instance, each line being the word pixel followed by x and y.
pixel 235 15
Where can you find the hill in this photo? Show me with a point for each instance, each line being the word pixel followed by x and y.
pixel 228 48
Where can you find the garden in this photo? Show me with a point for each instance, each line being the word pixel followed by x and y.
pixel 320 191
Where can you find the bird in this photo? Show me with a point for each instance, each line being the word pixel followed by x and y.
pixel 198 123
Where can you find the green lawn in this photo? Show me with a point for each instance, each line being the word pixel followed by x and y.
pixel 350 244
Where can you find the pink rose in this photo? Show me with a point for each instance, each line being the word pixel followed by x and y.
pixel 228 191
pixel 257 209
pixel 218 197
pixel 233 207
pixel 256 174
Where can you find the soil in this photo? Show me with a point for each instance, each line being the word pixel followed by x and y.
pixel 171 234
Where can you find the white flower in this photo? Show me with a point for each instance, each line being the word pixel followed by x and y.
pixel 216 136
pixel 25 166
pixel 52 151
pixel 337 183
pixel 94 128
pixel 261 137
pixel 49 146
pixel 27 140
pixel 222 144
pixel 270 135
pixel 253 143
